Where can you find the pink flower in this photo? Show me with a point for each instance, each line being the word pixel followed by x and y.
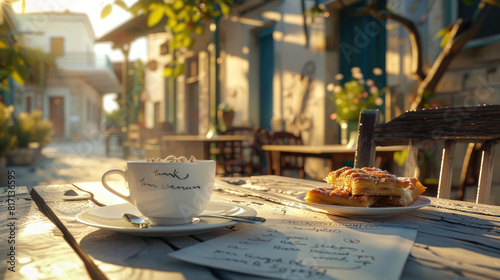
pixel 356 100
pixel 365 94
pixel 333 116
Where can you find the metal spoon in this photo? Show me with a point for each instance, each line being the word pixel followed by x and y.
pixel 139 222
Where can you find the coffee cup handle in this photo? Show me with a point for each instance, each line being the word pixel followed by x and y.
pixel 110 189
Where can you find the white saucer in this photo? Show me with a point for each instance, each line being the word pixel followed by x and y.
pixel 110 218
pixel 366 212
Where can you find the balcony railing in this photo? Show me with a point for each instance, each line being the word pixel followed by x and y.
pixel 84 61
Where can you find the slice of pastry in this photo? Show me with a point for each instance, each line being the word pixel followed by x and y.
pixel 412 190
pixel 365 181
pixel 335 196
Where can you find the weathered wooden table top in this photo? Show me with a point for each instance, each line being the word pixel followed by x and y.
pixel 455 239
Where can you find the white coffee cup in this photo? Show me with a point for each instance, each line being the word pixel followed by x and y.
pixel 167 193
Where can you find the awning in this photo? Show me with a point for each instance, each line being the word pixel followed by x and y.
pixel 131 30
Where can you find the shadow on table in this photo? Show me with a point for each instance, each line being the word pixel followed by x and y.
pixel 135 252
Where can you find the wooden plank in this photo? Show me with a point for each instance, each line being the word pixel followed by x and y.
pixel 486 172
pixel 114 255
pixel 454 239
pixel 31 245
pixel 444 190
pixel 452 234
pixel 468 123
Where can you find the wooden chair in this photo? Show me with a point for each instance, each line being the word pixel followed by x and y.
pixel 134 142
pixel 450 125
pixel 243 158
pixel 286 162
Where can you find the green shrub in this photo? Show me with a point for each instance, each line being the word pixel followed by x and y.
pixel 7 139
pixel 32 128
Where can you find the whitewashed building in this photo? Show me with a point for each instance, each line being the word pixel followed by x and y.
pixel 70 95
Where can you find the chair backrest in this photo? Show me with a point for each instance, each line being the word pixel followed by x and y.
pixel 291 162
pixel 134 133
pixel 246 156
pixel 449 125
pixel 285 138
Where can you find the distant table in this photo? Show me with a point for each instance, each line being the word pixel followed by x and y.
pixel 196 145
pixel 336 154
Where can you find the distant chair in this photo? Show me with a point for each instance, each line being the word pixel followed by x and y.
pixel 286 161
pixel 243 158
pixel 450 125
pixel 140 140
pixel 134 141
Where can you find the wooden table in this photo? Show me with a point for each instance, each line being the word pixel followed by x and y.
pixel 196 145
pixel 335 154
pixel 455 239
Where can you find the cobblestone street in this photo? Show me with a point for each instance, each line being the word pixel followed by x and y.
pixel 68 162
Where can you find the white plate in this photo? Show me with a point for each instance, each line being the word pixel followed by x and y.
pixel 110 218
pixel 366 212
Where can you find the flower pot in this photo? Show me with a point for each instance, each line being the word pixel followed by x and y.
pixel 24 156
pixel 348 132
pixel 225 117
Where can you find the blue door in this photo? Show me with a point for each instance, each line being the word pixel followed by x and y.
pixel 362 44
pixel 266 71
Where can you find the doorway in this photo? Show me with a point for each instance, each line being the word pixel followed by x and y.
pixel 56 115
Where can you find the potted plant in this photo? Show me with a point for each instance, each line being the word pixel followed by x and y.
pixel 352 97
pixel 32 133
pixel 225 113
pixel 7 140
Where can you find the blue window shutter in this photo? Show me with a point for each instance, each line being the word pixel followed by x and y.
pixel 362 44
pixel 266 72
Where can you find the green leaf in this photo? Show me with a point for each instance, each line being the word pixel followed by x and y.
pixel 444 40
pixel 169 12
pixel 179 70
pixel 225 9
pixel 198 29
pixel 195 17
pixel 121 4
pixel 3 44
pixel 168 71
pixel 106 11
pixel 179 37
pixel 156 14
pixel 171 23
pixel 441 32
pixel 178 5
pixel 17 77
pixel 180 27
pixel 188 42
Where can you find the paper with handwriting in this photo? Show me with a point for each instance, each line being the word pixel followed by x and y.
pixel 308 250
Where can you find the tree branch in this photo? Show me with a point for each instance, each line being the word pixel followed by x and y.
pixel 461 33
pixel 414 37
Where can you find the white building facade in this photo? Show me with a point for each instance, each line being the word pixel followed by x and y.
pixel 71 94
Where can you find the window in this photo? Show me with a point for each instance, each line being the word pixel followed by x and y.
pixel 57 45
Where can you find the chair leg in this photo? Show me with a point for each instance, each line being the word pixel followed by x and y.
pixel 486 173
pixel 444 189
pixel 465 168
